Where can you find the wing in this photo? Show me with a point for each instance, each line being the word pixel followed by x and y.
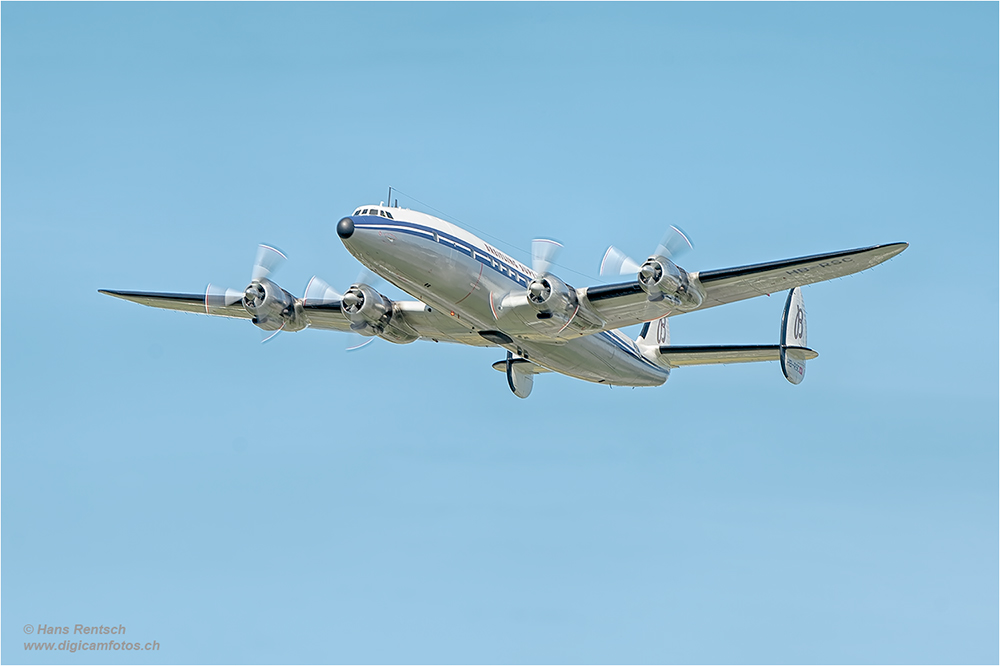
pixel 183 302
pixel 677 356
pixel 626 303
pixel 427 323
pixel 736 284
pixel 327 316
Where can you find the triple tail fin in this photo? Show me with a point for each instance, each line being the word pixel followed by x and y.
pixel 654 344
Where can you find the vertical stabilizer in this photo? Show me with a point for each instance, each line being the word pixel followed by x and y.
pixel 654 334
pixel 793 337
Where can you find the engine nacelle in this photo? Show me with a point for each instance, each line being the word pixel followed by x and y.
pixel 548 309
pixel 367 310
pixel 551 296
pixel 662 279
pixel 370 313
pixel 272 307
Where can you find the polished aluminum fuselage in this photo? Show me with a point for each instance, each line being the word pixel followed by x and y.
pixel 460 275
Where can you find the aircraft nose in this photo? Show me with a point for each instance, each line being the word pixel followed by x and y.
pixel 345 228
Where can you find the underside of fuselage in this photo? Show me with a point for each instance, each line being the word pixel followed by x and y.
pixel 454 272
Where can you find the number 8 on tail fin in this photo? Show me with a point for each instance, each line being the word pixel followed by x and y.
pixel 654 334
pixel 793 337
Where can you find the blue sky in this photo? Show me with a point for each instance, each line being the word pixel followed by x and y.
pixel 294 503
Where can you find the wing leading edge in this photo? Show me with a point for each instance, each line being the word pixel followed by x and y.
pixel 626 303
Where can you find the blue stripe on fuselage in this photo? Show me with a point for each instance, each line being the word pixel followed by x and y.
pixel 487 259
pixel 484 257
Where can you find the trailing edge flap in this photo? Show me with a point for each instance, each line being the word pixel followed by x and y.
pixel 676 356
pixel 524 366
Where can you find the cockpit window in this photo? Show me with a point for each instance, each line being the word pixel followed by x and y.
pixel 357 212
pixel 388 215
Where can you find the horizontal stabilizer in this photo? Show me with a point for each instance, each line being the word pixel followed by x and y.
pixel 677 356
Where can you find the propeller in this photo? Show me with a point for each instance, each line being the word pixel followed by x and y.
pixel 674 244
pixel 358 341
pixel 318 292
pixel 543 254
pixel 616 262
pixel 539 290
pixel 268 260
pixel 268 337
pixel 217 297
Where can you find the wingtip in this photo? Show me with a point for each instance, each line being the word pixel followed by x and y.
pixel 897 248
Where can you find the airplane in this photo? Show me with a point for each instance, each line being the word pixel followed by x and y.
pixel 469 292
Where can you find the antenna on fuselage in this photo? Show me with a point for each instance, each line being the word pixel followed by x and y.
pixel 390 195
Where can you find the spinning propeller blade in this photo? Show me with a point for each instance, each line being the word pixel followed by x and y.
pixel 267 335
pixel 357 341
pixel 268 260
pixel 674 244
pixel 218 297
pixel 543 254
pixel 318 292
pixel 616 262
